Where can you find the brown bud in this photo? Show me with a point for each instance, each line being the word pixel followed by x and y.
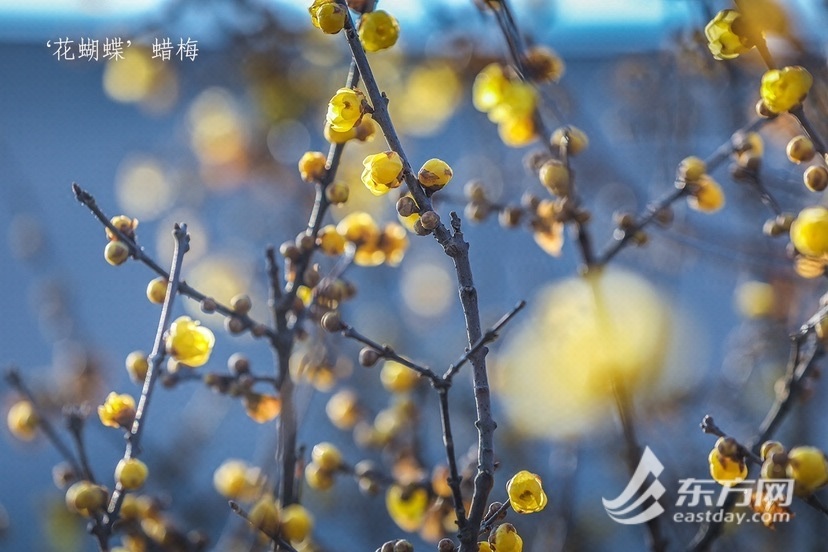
pixel 208 305
pixel 368 356
pixel 289 250
pixel 474 190
pixel 419 229
pixel 331 322
pixel 430 220
pixel 258 330
pixel 406 206
pixel 238 364
pixel 446 545
pixel 234 325
pixel 241 303
pixel 337 193
pixel 304 242
pixel 510 216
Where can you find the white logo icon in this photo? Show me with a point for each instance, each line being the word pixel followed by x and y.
pixel 634 495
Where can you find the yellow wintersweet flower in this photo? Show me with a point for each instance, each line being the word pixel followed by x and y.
pixel 382 172
pixel 237 480
pixel 808 467
pixel 327 15
pixel 517 132
pixel 707 195
pixel 526 493
pixel 378 30
pixel 519 101
pixel 506 539
pixel 435 173
pixel 190 343
pixel 783 89
pixel 809 231
pixel 489 87
pixel 23 420
pixel 117 410
pixel 407 507
pixel 131 473
pixel 725 470
pixel 393 243
pixel 726 35
pixel 362 230
pixel 345 109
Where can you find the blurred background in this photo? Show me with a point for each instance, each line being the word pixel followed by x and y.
pixel 213 141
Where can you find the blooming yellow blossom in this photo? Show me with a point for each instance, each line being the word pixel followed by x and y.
pixel 526 493
pixel 726 35
pixel 378 30
pixel 489 87
pixel 725 470
pixel 809 231
pixel 783 89
pixel 345 110
pixel 117 410
pixel 190 343
pixel 328 16
pixel 382 172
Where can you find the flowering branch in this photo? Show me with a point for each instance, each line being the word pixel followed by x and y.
pixel 651 212
pixel 442 384
pixel 801 363
pixel 14 379
pixel 455 247
pixel 281 304
pixel 103 529
pixel 88 200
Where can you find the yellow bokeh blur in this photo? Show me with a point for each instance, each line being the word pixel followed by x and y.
pixel 138 78
pixel 554 375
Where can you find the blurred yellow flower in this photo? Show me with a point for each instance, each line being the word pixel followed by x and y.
pixel 554 373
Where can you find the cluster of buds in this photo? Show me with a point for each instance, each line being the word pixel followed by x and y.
pixel 240 382
pixel 703 193
pixel 116 251
pixel 326 461
pixel 748 149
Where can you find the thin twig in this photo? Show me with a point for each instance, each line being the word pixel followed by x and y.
pixel 488 337
pixel 239 511
pixel 75 421
pixel 624 406
pixel 455 247
pixel 136 251
pixel 454 478
pixel 713 161
pixel 281 303
pixel 14 379
pixel 798 113
pixel 494 517
pixel 386 351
